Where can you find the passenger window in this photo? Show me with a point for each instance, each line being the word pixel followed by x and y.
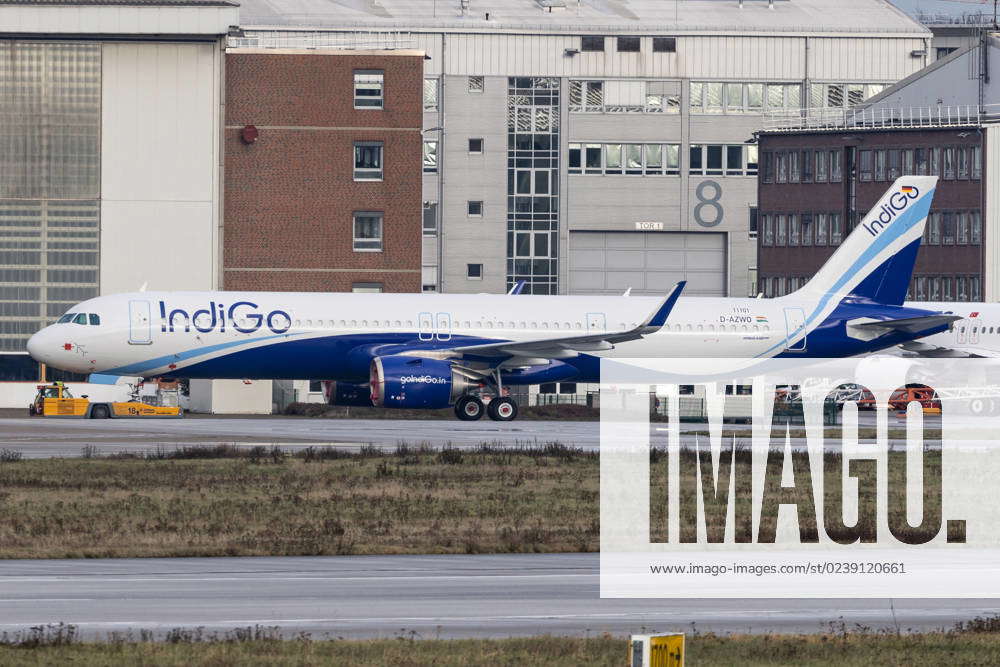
pixel 80 319
pixel 68 317
pixel 95 320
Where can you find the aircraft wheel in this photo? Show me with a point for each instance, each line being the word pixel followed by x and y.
pixel 469 408
pixel 502 409
pixel 31 410
pixel 977 406
pixel 100 412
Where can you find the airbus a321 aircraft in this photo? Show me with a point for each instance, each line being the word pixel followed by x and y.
pixel 432 351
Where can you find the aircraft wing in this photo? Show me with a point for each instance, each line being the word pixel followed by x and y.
pixel 569 346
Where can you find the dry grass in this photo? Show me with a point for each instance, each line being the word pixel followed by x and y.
pixel 320 502
pixel 973 643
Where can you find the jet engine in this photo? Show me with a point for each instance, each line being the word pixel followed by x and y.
pixel 413 382
pixel 349 393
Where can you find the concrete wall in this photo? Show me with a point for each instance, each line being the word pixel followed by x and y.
pixel 231 397
pixel 159 166
pixel 475 177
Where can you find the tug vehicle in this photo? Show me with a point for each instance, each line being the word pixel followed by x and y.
pixel 56 400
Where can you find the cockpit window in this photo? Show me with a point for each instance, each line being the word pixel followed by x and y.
pixel 94 319
pixel 80 319
pixel 68 317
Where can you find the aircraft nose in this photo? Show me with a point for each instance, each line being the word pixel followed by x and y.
pixel 35 346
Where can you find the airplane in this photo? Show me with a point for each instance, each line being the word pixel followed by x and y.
pixel 439 350
pixel 975 334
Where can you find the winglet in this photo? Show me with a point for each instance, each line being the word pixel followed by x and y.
pixel 516 289
pixel 659 318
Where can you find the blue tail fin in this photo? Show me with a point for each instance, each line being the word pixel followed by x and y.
pixel 876 260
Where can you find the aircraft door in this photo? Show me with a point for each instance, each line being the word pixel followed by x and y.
pixel 974 333
pixel 960 334
pixel 444 326
pixel 139 331
pixel 596 323
pixel 426 331
pixel 795 319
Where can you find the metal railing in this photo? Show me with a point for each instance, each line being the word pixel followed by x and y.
pixel 293 39
pixel 857 118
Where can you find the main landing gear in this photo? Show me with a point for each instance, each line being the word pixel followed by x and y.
pixel 501 408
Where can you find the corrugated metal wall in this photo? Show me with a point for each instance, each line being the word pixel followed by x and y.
pixel 710 57
pixel 159 166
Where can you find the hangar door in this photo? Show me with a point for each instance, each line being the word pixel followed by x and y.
pixel 648 262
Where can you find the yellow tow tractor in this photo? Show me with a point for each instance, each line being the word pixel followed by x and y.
pixel 56 400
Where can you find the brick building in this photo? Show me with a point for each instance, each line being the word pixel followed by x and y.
pixel 323 170
pixel 816 185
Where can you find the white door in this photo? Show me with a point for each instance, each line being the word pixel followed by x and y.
pixel 444 326
pixel 139 325
pixel 795 319
pixel 596 322
pixel 426 331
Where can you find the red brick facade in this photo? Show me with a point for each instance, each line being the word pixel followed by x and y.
pixel 944 271
pixel 290 196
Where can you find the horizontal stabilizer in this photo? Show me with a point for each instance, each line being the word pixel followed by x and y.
pixel 911 325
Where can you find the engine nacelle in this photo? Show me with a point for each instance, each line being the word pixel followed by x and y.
pixel 413 382
pixel 349 393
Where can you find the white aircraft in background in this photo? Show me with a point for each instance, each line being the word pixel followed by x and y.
pixel 976 334
pixel 436 350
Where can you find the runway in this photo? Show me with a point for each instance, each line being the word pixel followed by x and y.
pixel 421 596
pixel 37 438
pixel 49 438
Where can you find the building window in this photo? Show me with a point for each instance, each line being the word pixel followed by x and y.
pixel 807 166
pixel 367 231
pixel 716 160
pixel 735 97
pixel 430 94
pixel 836 229
pixel 768 238
pixel 624 96
pixel 934 166
pixel 866 166
pixel 430 156
pixel 841 95
pixel 780 230
pixel 949 163
pixel 664 45
pixel 836 166
pixel 963 163
pixel 477 84
pixel 754 221
pixel 368 161
pixel 476 145
pixel 474 271
pixel 430 222
pixel 975 228
pixel 628 44
pixel 369 288
pixel 592 43
pixel 822 166
pixel 475 208
pixel 977 162
pixel 368 89
pixel 769 167
pixel 794 230
pixel 629 159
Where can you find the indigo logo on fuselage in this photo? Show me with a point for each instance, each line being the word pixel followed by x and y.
pixel 898 201
pixel 242 316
